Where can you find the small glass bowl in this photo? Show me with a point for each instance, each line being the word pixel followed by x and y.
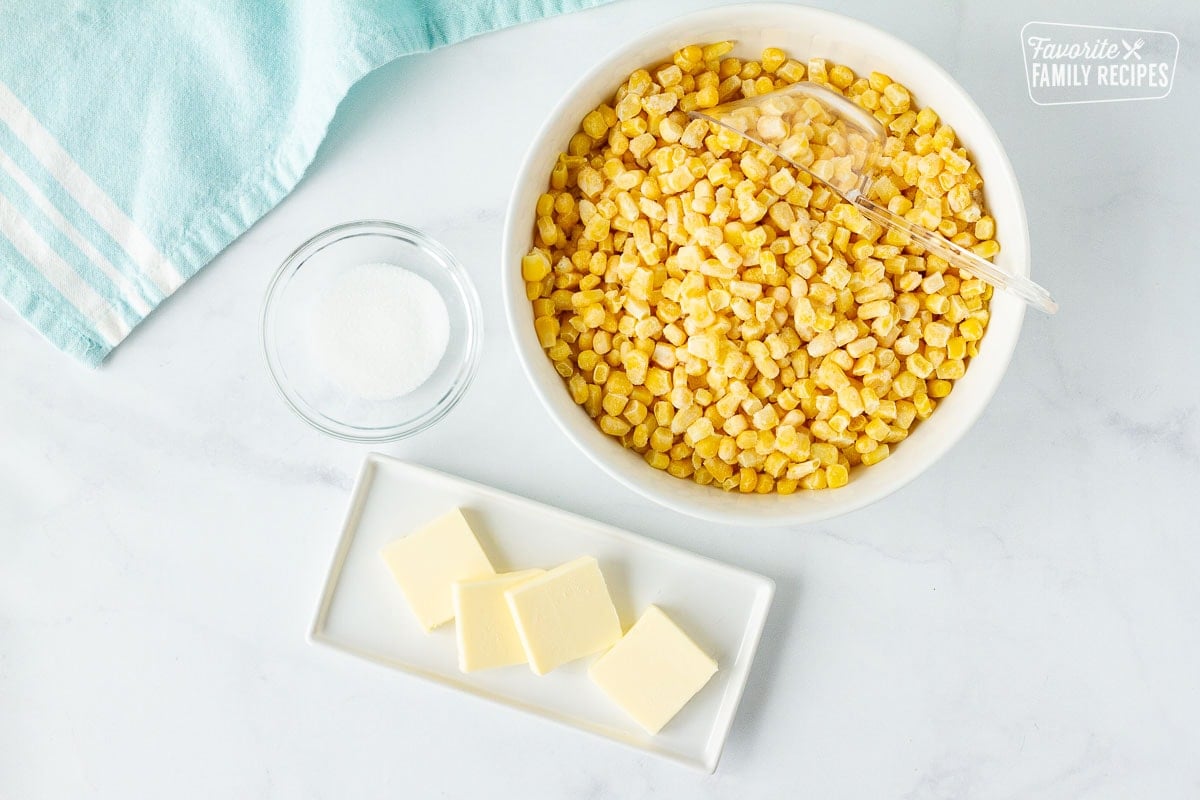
pixel 307 275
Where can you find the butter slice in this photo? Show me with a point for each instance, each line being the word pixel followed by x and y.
pixel 484 626
pixel 427 562
pixel 653 671
pixel 564 614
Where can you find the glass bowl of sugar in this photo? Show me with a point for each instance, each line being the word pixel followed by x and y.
pixel 371 331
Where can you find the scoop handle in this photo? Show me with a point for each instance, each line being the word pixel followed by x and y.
pixel 960 257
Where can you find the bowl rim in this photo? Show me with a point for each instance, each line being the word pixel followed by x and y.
pixel 469 297
pixel 749 516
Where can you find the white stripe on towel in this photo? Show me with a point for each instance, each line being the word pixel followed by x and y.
pixel 95 309
pixel 91 198
pixel 128 291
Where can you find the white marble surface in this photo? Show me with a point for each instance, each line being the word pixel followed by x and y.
pixel 1020 622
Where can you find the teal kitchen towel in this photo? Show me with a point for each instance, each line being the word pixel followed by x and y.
pixel 138 139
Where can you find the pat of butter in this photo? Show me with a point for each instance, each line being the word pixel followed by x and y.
pixel 564 614
pixel 653 671
pixel 487 637
pixel 427 562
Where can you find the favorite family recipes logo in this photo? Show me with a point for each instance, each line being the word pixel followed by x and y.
pixel 1089 64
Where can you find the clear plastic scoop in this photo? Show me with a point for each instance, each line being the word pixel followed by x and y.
pixel 790 120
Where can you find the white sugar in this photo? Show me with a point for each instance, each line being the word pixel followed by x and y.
pixel 380 332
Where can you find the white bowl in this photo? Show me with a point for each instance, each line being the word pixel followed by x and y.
pixel 802 32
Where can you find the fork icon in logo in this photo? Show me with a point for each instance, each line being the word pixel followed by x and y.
pixel 1132 49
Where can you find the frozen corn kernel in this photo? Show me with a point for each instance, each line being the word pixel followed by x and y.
pixel 919 365
pixel 841 76
pixel 875 456
pixel 940 388
pixel 613 426
pixel 988 249
pixel 535 266
pixel 657 459
pixel 791 71
pixel 547 331
pixel 971 329
pixel 836 476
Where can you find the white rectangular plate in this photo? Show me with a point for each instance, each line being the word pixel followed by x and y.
pixel 363 612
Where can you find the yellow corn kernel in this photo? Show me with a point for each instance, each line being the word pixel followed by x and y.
pixel 988 249
pixel 919 365
pixel 937 334
pixel 658 381
pixel 535 266
pixel 707 447
pixel 824 454
pixel 657 459
pixel 937 303
pixel 951 369
pixel 772 59
pixel 592 404
pixel 595 125
pixel 923 405
pixel 593 316
pixel 905 384
pixel 970 289
pixel 971 329
pixel 814 480
pixel 718 468
pixel 680 468
pixel 559 351
pixel 877 429
pixel 875 456
pixel 613 426
pixel 836 476
pixel 727 450
pixel 956 348
pixel 635 411
pixel 878 81
pixel 774 464
pixel 716 50
pixel 688 58
pixel 985 228
pixel 698 431
pixel 818 71
pixel 578 388
pixel 841 76
pixel 580 144
pixel 614 404
pixel 765 418
pixel 664 412
pixel 637 365
pixel 747 480
pixel 791 71
pixel 638 437
pixel 618 382
pixel 642 395
pixel 927 119
pixel 661 439
pixel 547 331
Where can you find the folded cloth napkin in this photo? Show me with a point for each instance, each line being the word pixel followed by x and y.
pixel 138 140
